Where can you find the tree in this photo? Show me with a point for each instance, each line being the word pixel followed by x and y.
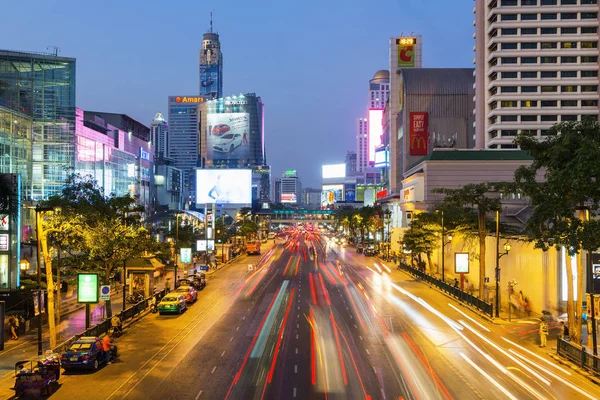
pixel 248 228
pixel 568 161
pixel 8 196
pixel 469 200
pixel 422 236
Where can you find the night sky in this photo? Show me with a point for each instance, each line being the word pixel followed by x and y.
pixel 310 61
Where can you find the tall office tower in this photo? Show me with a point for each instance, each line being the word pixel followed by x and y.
pixel 37 120
pixel 405 52
pixel 211 65
pixel 291 188
pixel 183 134
pixel 160 136
pixel 362 144
pixel 276 191
pixel 379 89
pixel 351 163
pixel 536 65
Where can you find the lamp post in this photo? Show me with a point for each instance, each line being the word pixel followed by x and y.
pixel 39 212
pixel 498 257
pixel 444 243
pixel 176 245
pixel 388 218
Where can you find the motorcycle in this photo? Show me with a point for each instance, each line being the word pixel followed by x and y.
pixel 153 308
pixel 135 298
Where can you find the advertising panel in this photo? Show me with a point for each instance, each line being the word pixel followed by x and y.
pixel 334 171
pixel 375 131
pixel 209 79
pixel 461 263
pixel 335 193
pixel 87 288
pixel 406 52
pixel 228 136
pixel 185 255
pixel 381 157
pixel 223 186
pixel 369 197
pixel 204 245
pixel 350 192
pixel 419 126
pixel 288 198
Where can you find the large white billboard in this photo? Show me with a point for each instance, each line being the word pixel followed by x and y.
pixel 334 171
pixel 228 136
pixel 375 131
pixel 222 186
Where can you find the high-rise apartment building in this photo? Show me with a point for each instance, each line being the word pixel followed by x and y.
pixel 351 163
pixel 536 65
pixel 362 144
pixel 211 65
pixel 379 89
pixel 276 191
pixel 159 133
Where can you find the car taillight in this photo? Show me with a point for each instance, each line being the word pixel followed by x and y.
pixel 85 357
pixel 63 357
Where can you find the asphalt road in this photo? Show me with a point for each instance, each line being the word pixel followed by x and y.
pixel 308 328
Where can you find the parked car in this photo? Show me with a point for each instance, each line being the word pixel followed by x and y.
pixel 369 251
pixel 172 303
pixel 220 129
pixel 228 142
pixel 359 248
pixel 85 353
pixel 189 292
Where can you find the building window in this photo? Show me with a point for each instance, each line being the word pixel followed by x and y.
pixel 568 103
pixel 589 15
pixel 589 59
pixel 568 60
pixel 568 31
pixel 549 2
pixel 568 89
pixel 508 104
pixel 528 17
pixel 549 45
pixel 589 103
pixel 508 118
pixel 549 60
pixel 509 60
pixel 589 2
pixel 589 29
pixel 568 74
pixel 528 89
pixel 508 89
pixel 589 45
pixel 508 46
pixel 546 132
pixel 529 2
pixel 529 46
pixel 528 31
pixel 549 118
pixel 508 3
pixel 510 31
pixel 564 16
pixel 589 74
pixel 528 74
pixel 528 118
pixel 508 132
pixel 589 88
pixel 549 103
pixel 548 16
pixel 509 75
pixel 568 118
pixel 549 89
pixel 568 2
pixel 528 103
pixel 508 17
pixel 549 31
pixel 549 74
pixel 528 60
pixel 568 45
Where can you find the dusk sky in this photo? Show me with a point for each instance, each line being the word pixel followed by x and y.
pixel 310 61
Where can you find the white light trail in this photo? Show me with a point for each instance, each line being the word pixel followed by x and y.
pixel 471 319
pixel 489 378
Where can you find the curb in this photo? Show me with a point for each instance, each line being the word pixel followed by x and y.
pixel 575 368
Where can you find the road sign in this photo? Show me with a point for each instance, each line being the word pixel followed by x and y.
pixel 105 292
pixel 204 268
pixel 250 267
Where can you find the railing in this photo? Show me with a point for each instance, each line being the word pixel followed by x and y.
pixel 578 355
pixel 460 295
pixel 104 326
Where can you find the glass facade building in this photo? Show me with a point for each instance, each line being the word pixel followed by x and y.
pixel 37 120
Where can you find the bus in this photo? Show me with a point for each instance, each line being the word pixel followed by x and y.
pixel 253 247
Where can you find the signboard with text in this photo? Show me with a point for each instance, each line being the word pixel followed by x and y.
pixel 419 126
pixel 406 52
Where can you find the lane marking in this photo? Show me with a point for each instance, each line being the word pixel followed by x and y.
pixel 296 368
pixel 243 318
pixel 296 350
pixel 297 325
pixel 237 329
pixel 231 340
pixel 294 392
pixel 213 370
pixel 198 395
pixel 223 353
pixel 355 326
pixel 296 336
pixel 360 337
pixel 367 350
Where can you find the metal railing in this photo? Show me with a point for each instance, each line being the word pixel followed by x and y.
pixel 105 325
pixel 578 355
pixel 460 295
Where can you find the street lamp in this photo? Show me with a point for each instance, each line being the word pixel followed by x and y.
pixel 24 264
pixel 498 257
pixel 444 243
pixel 388 219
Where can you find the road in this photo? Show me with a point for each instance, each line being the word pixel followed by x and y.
pixel 303 328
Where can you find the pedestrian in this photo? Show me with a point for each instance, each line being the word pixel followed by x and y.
pixel 455 283
pixel 565 330
pixel 395 258
pixel 106 348
pixel 543 333
pixel 13 324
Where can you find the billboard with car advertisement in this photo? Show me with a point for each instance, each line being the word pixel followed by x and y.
pixel 232 186
pixel 406 52
pixel 289 198
pixel 228 136
pixel 419 129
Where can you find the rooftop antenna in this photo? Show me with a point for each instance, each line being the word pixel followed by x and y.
pixel 211 22
pixel 56 50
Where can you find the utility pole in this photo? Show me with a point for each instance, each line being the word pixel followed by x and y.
pixel 497 305
pixel 38 226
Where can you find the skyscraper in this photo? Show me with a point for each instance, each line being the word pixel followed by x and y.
pixel 291 188
pixel 211 65
pixel 350 163
pixel 379 89
pixel 536 65
pixel 362 144
pixel 160 136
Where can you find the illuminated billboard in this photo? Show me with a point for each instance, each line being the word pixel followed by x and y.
pixel 335 193
pixel 228 136
pixel 288 198
pixel 375 130
pixel 419 133
pixel 334 171
pixel 406 52
pixel 209 79
pixel 221 186
pixel 381 157
pixel 350 192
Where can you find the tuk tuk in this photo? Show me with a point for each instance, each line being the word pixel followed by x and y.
pixel 199 280
pixel 37 377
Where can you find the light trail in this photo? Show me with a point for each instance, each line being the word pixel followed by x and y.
pixel 489 378
pixel 471 319
pixel 537 356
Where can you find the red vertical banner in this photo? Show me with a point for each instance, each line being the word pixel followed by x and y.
pixel 419 129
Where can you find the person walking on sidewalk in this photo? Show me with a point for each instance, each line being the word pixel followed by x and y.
pixel 106 348
pixel 543 334
pixel 564 331
pixel 13 324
